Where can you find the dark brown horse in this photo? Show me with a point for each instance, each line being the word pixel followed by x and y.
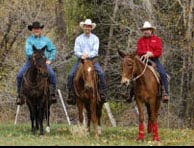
pixel 87 95
pixel 35 90
pixel 146 90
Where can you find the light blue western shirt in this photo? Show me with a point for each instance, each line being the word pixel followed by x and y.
pixel 39 43
pixel 86 44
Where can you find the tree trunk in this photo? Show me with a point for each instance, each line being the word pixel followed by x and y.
pixel 107 56
pixel 61 43
pixel 187 73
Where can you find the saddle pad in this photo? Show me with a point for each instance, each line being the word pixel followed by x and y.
pixel 156 74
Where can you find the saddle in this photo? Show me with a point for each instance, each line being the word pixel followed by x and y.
pixel 152 67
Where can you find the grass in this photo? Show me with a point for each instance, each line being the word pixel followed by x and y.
pixel 61 135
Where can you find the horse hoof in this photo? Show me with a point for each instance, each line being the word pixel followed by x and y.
pixel 156 139
pixel 33 132
pixel 99 130
pixel 140 139
pixel 48 130
pixel 96 137
pixel 41 136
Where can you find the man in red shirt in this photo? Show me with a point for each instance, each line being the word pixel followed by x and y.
pixel 150 46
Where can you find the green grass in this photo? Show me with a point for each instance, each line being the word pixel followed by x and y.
pixel 62 135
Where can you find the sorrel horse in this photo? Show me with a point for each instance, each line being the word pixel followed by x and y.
pixel 35 90
pixel 146 90
pixel 87 95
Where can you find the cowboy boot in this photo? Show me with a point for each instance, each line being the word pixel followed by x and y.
pixel 53 96
pixel 103 96
pixel 165 96
pixel 20 100
pixel 71 97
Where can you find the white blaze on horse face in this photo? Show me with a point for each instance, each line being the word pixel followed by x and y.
pixel 125 81
pixel 89 69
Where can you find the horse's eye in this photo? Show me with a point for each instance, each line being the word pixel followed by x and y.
pixel 130 65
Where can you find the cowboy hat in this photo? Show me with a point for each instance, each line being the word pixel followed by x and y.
pixel 35 25
pixel 87 22
pixel 147 25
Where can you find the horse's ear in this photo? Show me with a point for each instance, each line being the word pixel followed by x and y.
pixel 34 48
pixel 43 48
pixel 121 53
pixel 133 54
pixel 82 61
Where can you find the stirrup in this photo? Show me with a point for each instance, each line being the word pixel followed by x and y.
pixel 165 98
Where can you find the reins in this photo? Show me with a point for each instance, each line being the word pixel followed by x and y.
pixel 146 65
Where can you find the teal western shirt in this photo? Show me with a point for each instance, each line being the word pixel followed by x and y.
pixel 39 43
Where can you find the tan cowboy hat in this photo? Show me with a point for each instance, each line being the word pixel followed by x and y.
pixel 87 22
pixel 147 25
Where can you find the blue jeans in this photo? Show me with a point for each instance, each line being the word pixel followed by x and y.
pixel 52 76
pixel 98 70
pixel 162 73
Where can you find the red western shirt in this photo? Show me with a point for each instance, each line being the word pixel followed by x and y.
pixel 152 44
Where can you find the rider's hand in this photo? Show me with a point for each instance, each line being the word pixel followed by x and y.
pixel 148 55
pixel 48 62
pixel 84 56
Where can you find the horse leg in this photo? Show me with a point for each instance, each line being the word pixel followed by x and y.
pixel 154 120
pixel 149 124
pixel 80 109
pixel 32 117
pixel 88 116
pixel 36 118
pixel 47 115
pixel 93 116
pixel 141 120
pixel 99 114
pixel 41 116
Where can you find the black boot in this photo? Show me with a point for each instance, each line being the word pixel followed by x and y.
pixel 20 100
pixel 71 100
pixel 103 96
pixel 53 96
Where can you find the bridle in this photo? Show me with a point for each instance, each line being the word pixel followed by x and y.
pixel 93 88
pixel 145 61
pixel 146 65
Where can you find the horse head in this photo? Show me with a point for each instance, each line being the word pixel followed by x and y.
pixel 88 74
pixel 128 66
pixel 38 60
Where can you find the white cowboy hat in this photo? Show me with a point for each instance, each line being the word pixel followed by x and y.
pixel 87 22
pixel 147 25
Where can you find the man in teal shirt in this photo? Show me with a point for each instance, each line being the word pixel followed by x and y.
pixel 39 41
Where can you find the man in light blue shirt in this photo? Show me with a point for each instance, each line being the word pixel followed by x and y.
pixel 39 41
pixel 86 47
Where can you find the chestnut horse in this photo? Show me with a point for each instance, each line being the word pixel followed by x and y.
pixel 146 90
pixel 87 95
